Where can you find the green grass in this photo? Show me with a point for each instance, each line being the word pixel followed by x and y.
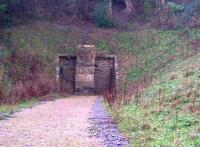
pixel 150 47
pixel 8 108
pixel 163 116
pixel 147 127
pixel 194 34
pixel 153 121
pixel 44 39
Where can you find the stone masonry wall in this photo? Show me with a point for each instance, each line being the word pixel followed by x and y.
pixel 88 73
pixel 67 73
pixel 85 69
pixel 103 74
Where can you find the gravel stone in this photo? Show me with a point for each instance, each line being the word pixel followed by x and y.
pixel 72 122
pixel 61 123
pixel 104 127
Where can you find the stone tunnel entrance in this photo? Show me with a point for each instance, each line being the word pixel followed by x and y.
pixel 87 73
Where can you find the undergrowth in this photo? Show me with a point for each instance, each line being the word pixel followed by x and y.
pixel 28 53
pixel 168 111
pixel 9 108
pixel 140 52
pixel 151 48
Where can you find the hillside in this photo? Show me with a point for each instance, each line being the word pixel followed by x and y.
pixel 140 53
pixel 168 111
pixel 159 75
pixel 157 45
pixel 141 50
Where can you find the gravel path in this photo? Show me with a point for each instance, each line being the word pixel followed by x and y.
pixel 104 127
pixel 71 122
pixel 60 123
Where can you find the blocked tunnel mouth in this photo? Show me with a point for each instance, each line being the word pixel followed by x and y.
pixel 104 76
pixel 80 75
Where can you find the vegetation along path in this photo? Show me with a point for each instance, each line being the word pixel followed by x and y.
pixel 64 122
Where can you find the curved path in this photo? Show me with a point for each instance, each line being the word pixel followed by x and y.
pixel 59 123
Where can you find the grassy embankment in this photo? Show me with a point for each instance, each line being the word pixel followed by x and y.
pixel 28 53
pixel 148 47
pixel 139 52
pixel 167 113
pixel 9 109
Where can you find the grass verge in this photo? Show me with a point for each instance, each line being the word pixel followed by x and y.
pixel 167 113
pixel 9 109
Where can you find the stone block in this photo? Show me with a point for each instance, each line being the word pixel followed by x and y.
pixel 86 56
pixel 85 69
pixel 85 77
pixel 87 73
pixel 84 84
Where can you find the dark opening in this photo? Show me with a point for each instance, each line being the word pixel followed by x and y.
pixel 67 73
pixel 118 5
pixel 103 73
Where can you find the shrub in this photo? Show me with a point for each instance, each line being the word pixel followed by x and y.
pixel 17 93
pixel 27 77
pixel 175 7
pixel 1 79
pixel 2 7
pixel 16 11
pixel 1 92
pixel 101 14
pixel 149 7
pixel 23 91
pixel 3 13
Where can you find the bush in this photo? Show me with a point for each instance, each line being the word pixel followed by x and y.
pixel 2 7
pixel 101 14
pixel 26 90
pixel 14 12
pixel 3 13
pixel 149 7
pixel 1 92
pixel 26 77
pixel 175 7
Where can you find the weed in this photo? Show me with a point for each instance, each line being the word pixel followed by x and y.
pixel 166 121
pixel 9 109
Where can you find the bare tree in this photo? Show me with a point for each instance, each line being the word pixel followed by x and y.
pixel 110 8
pixel 129 6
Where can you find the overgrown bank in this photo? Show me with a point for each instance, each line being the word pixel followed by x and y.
pixel 167 113
pixel 159 72
pixel 28 54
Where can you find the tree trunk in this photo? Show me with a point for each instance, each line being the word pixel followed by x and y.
pixel 129 6
pixel 110 8
pixel 163 2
